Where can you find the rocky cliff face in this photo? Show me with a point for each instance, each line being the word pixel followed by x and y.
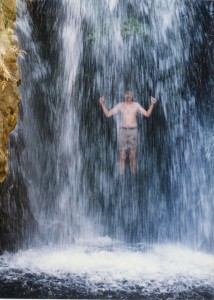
pixel 17 223
pixel 9 80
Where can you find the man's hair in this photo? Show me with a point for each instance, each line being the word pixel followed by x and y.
pixel 129 91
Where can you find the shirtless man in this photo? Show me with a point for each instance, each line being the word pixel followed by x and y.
pixel 128 127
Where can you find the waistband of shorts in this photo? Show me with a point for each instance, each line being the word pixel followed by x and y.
pixel 128 128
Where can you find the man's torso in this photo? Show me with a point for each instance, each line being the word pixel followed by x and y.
pixel 128 113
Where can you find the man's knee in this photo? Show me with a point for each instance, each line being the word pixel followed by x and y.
pixel 132 155
pixel 122 155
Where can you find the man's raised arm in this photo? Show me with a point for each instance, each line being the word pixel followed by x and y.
pixel 108 113
pixel 147 113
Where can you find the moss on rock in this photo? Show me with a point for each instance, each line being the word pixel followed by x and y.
pixel 9 80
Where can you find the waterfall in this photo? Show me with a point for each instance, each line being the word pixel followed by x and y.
pixel 51 161
pixel 101 235
pixel 71 159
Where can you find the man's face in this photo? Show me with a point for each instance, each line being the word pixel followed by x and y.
pixel 128 96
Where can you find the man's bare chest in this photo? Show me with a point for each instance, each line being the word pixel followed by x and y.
pixel 128 110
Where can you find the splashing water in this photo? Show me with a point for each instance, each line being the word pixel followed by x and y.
pixel 106 270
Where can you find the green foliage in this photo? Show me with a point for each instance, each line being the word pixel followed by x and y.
pixel 130 27
pixel 133 27
pixel 91 37
pixel 6 22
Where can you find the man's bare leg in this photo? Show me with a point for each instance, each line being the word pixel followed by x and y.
pixel 133 161
pixel 122 161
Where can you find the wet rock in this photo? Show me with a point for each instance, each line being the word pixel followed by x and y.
pixel 9 80
pixel 16 220
pixel 17 223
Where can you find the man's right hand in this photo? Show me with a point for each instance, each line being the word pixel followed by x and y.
pixel 102 100
pixel 153 100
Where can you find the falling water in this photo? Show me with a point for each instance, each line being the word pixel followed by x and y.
pixel 144 47
pixel 101 235
pixel 75 188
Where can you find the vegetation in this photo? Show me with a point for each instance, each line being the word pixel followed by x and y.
pixel 130 27
pixel 133 27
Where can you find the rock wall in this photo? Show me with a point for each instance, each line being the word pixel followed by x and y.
pixel 9 80
pixel 17 223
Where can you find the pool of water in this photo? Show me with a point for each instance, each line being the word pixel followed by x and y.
pixel 107 269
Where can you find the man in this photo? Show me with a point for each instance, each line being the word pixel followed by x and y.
pixel 128 127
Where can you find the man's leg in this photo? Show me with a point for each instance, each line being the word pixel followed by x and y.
pixel 122 160
pixel 133 160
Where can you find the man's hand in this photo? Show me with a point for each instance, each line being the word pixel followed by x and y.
pixel 102 101
pixel 153 100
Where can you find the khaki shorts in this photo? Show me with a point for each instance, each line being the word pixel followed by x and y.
pixel 127 139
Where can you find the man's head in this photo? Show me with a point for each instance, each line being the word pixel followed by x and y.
pixel 128 96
